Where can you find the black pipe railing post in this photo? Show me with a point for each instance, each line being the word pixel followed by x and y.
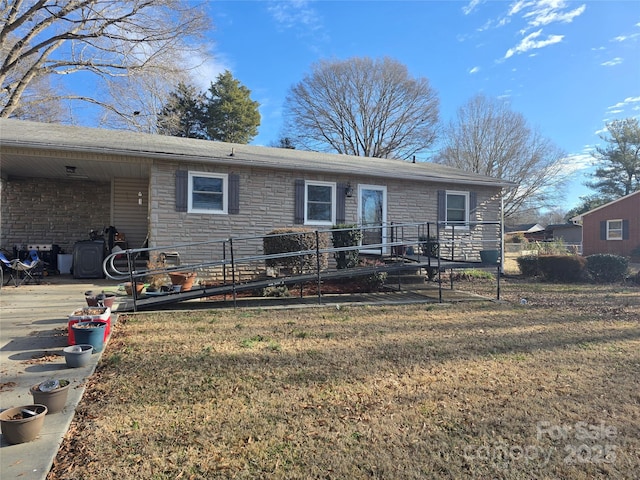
pixel 439 269
pixel 318 266
pixel 233 272
pixel 134 290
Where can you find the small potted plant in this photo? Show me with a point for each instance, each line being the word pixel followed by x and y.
pixel 184 279
pixel 77 355
pixel 51 393
pixel 22 424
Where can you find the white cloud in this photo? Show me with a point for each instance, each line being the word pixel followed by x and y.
pixel 620 106
pixel 576 162
pixel 296 13
pixel 613 62
pixel 467 9
pixel 546 12
pixel 530 42
pixel 474 70
pixel 624 38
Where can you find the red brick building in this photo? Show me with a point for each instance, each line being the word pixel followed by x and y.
pixel 612 228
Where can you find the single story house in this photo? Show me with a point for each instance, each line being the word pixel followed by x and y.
pixel 569 233
pixel 531 231
pixel 612 228
pixel 59 182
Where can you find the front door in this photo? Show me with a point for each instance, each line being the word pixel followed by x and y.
pixel 372 213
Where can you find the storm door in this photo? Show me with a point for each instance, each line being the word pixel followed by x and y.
pixel 372 213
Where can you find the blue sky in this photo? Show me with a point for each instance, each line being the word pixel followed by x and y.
pixel 568 67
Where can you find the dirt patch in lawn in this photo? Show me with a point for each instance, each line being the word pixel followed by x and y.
pixel 545 388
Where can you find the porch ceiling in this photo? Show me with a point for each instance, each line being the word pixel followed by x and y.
pixel 81 169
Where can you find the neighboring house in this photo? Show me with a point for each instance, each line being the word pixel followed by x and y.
pixel 612 228
pixel 569 233
pixel 59 182
pixel 531 231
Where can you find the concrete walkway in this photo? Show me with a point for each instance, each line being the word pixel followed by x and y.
pixel 33 332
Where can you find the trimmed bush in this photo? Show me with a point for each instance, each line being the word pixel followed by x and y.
pixel 607 268
pixel 561 268
pixel 346 236
pixel 294 240
pixel 528 266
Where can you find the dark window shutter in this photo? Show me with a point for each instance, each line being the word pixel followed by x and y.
pixel 234 194
pixel 442 205
pixel 341 204
pixel 473 205
pixel 603 230
pixel 625 229
pixel 182 190
pixel 299 202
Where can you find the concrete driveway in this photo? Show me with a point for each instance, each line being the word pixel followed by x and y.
pixel 33 323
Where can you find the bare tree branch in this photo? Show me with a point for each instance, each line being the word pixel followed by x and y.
pixel 488 138
pixel 362 107
pixel 109 39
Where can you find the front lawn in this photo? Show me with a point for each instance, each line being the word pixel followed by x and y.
pixel 544 385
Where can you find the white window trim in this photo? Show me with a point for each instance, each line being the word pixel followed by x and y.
pixel 308 221
pixel 450 223
pixel 225 193
pixel 609 229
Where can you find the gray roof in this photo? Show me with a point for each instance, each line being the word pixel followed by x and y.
pixel 65 138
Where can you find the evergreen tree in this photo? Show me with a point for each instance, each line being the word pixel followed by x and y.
pixel 230 114
pixel 183 114
pixel 618 163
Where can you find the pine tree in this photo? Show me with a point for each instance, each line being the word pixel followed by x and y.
pixel 618 163
pixel 183 114
pixel 230 114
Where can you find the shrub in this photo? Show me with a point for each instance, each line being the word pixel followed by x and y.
pixel 561 268
pixel 528 265
pixel 517 238
pixel 346 236
pixel 284 240
pixel 554 247
pixel 607 268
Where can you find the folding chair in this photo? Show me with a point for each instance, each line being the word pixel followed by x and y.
pixel 24 271
pixel 6 271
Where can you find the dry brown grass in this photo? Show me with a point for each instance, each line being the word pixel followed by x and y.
pixel 477 390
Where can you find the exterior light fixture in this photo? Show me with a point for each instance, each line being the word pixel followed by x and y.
pixel 348 190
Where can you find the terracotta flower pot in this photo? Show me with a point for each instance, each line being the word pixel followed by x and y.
pixel 18 426
pixel 184 279
pixel 52 394
pixel 129 290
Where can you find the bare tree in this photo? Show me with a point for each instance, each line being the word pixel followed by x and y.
pixel 362 107
pixel 107 40
pixel 488 138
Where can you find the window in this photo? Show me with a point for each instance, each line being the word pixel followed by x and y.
pixel 207 193
pixel 614 229
pixel 320 201
pixel 457 208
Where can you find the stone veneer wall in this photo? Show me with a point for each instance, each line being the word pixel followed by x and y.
pixel 44 211
pixel 267 202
